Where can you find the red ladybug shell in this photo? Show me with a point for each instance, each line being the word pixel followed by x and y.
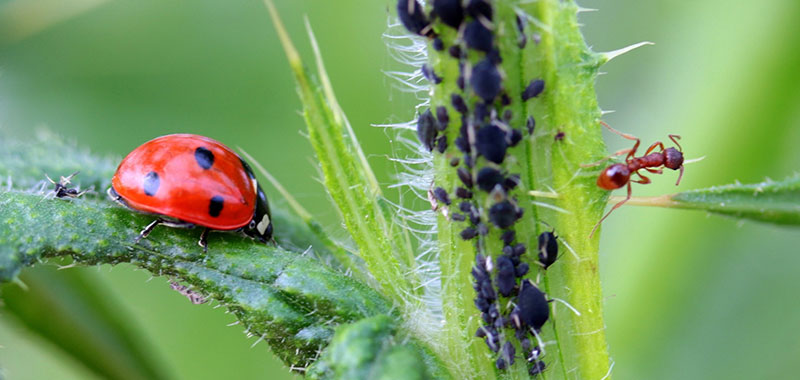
pixel 188 177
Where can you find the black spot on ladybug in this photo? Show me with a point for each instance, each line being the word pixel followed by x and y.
pixel 486 80
pixel 451 12
pixel 488 178
pixel 204 157
pixel 534 310
pixel 412 15
pixel 533 90
pixel 215 205
pixel 151 184
pixel 491 143
pixel 530 124
pixel 478 36
pixel 503 214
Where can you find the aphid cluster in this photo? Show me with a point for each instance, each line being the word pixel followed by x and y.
pixel 484 200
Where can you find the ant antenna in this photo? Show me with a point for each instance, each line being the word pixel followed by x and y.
pixel 675 139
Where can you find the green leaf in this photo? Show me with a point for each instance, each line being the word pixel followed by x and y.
pixel 369 349
pixel 82 320
pixel 776 202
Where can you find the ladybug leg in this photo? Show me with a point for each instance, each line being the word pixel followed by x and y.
pixel 147 230
pixel 204 240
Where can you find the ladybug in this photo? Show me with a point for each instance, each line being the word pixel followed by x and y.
pixel 190 180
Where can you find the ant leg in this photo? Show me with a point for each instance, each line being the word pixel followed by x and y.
pixel 204 240
pixel 616 206
pixel 627 136
pixel 147 230
pixel 654 171
pixel 655 144
pixel 606 158
pixel 644 180
pixel 679 177
pixel 675 139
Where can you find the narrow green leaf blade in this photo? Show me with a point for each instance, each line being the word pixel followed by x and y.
pixel 70 310
pixel 769 201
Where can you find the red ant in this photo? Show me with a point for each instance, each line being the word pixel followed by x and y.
pixel 618 175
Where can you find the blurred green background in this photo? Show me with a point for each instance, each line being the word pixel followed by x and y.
pixel 688 295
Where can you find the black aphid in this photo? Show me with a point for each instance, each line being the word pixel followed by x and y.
pixel 500 363
pixel 559 136
pixel 511 181
pixel 465 177
pixel 481 112
pixel 458 103
pixel 458 217
pixel 455 51
pixel 483 229
pixel 522 269
pixel 479 8
pixel 503 214
pixel 412 15
pixel 530 124
pixel 507 115
pixel 426 129
pixel 438 44
pixel 522 39
pixel 490 141
pixel 534 309
pixel 514 137
pixel 463 193
pixel 506 276
pixel 548 249
pixel 455 161
pixel 533 90
pixel 509 352
pixel 460 82
pixel 443 117
pixel 478 36
pixel 441 144
pixel 505 100
pixel 488 178
pixel 486 80
pixel 451 12
pixel 508 237
pixel 441 195
pixel 428 73
pixel 469 233
pixel 537 368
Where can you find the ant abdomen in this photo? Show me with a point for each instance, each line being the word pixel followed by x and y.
pixel 614 177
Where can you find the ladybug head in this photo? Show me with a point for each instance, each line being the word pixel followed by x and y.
pixel 260 226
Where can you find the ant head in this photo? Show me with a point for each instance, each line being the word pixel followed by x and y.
pixel 673 158
pixel 614 177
